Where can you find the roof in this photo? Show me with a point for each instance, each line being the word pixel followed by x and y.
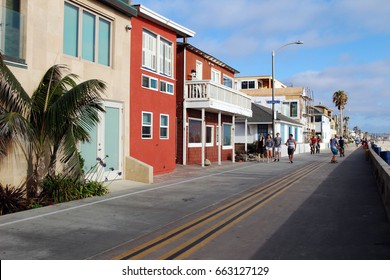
pixel 208 57
pixel 262 114
pixel 121 6
pixel 181 31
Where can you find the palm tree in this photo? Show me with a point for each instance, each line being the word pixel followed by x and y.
pixel 48 125
pixel 340 99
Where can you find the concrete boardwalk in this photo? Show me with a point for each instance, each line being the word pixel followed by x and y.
pixel 332 213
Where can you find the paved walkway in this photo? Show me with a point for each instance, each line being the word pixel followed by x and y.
pixel 338 214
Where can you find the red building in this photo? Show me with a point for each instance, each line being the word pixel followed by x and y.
pixel 207 104
pixel 153 89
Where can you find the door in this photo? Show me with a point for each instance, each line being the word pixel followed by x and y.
pixel 103 155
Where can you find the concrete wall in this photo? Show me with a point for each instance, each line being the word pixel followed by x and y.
pixel 382 175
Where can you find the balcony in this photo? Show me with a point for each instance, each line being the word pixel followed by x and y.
pixel 216 98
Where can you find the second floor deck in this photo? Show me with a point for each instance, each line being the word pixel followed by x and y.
pixel 205 94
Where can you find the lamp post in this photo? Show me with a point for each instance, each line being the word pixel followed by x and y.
pixel 273 83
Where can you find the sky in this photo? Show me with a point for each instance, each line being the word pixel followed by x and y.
pixel 346 46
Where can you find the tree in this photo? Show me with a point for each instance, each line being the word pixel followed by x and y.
pixel 48 125
pixel 340 99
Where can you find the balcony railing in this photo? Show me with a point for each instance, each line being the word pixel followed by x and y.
pixel 213 96
pixel 11 35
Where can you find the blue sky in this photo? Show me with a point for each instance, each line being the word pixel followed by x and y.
pixel 346 46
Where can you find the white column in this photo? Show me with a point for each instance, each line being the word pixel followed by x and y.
pixel 184 133
pixel 246 135
pixel 219 139
pixel 203 136
pixel 233 135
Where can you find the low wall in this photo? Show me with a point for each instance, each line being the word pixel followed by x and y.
pixel 382 175
pixel 136 170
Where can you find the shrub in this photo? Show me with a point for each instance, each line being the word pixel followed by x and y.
pixel 12 199
pixel 59 189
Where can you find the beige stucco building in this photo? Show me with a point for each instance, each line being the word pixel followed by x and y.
pixel 36 34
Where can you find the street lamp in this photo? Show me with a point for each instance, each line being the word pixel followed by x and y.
pixel 273 83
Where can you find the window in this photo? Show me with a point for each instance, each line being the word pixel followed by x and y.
pixel 248 85
pixel 166 87
pixel 294 109
pixel 227 81
pixel 194 133
pixel 149 82
pixel 88 37
pixel 95 35
pixel 164 123
pixel 227 135
pixel 165 58
pixel 146 125
pixel 12 31
pixel 216 76
pixel 161 60
pixel 209 135
pixel 290 109
pixel 149 50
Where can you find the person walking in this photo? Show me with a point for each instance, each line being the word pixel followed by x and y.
pixel 313 144
pixel 260 148
pixel 277 146
pixel 318 146
pixel 291 147
pixel 269 145
pixel 342 147
pixel 334 148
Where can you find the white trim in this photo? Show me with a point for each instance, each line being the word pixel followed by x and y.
pixel 151 125
pixel 167 127
pixel 143 11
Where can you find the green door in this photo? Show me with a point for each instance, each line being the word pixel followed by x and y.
pixel 103 155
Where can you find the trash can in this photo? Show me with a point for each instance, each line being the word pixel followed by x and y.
pixel 385 155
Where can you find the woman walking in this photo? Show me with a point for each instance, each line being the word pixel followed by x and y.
pixel 260 148
pixel 269 145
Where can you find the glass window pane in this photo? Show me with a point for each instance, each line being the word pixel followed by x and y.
pixel 71 27
pixel 227 131
pixel 194 131
pixel 164 120
pixel 104 42
pixel 88 40
pixel 146 119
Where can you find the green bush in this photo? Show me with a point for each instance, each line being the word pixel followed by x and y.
pixel 59 189
pixel 12 199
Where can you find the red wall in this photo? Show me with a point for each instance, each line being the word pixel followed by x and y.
pixel 159 153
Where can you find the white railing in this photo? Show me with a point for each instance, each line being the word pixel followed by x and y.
pixel 207 90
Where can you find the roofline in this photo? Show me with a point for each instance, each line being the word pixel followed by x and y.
pixel 208 57
pixel 121 6
pixel 180 30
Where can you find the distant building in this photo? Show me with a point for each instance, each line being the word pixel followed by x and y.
pixel 293 102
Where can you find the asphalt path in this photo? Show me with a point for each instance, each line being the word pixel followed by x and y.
pixel 312 210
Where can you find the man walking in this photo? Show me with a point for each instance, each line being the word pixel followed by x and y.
pixel 291 146
pixel 277 146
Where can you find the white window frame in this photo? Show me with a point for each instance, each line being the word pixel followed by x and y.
pixel 249 81
pixel 166 57
pixel 167 84
pixel 194 145
pixel 149 50
pixel 226 77
pixel 215 76
pixel 149 82
pixel 166 127
pixel 157 54
pixel 143 125
pixel 210 144
pixel 227 147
